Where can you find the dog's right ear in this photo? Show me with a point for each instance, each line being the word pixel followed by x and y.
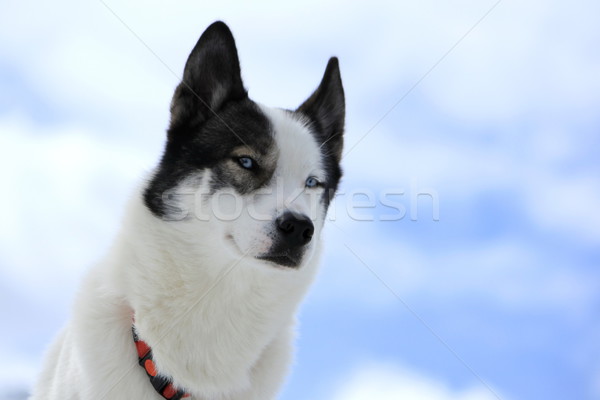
pixel 210 79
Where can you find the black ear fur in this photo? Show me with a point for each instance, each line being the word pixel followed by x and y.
pixel 210 79
pixel 326 109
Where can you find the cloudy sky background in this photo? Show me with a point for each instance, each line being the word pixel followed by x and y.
pixel 500 298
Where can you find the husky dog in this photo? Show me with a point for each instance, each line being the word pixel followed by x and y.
pixel 197 297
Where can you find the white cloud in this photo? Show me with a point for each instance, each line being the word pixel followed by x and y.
pixel 510 65
pixel 566 204
pixel 66 191
pixel 17 373
pixel 390 382
pixel 511 273
pixel 514 65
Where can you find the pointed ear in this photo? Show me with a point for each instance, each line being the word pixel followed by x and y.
pixel 326 109
pixel 211 77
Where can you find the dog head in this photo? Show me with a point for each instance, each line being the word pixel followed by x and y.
pixel 247 180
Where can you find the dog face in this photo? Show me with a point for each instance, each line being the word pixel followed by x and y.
pixel 250 180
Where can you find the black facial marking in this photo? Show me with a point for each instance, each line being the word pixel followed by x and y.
pixel 211 116
pixel 212 145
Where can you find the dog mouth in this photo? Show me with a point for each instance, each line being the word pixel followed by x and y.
pixel 285 260
pixel 282 259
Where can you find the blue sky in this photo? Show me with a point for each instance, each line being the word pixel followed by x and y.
pixel 504 130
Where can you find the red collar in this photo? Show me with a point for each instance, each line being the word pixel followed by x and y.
pixel 162 384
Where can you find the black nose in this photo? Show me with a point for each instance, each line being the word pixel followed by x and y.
pixel 295 229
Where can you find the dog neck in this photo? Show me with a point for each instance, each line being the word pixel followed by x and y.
pixel 207 318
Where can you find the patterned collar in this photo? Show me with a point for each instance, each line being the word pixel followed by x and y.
pixel 163 385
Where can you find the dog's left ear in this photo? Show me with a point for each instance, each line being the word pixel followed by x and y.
pixel 326 108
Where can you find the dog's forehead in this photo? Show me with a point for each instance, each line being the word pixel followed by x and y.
pixel 299 152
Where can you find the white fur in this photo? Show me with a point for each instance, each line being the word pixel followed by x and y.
pixel 219 321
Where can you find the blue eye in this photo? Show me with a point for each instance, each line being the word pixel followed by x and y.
pixel 246 162
pixel 312 182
